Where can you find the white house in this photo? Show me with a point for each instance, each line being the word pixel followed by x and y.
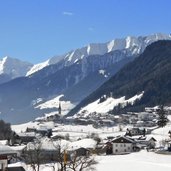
pixel 122 145
pixel 5 152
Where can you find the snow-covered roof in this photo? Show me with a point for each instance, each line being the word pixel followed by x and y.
pixel 3 142
pixel 84 143
pixel 4 149
pixel 18 148
pixel 27 134
pixel 123 139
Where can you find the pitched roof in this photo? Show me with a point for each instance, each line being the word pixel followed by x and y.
pixel 16 168
pixel 122 139
pixel 4 149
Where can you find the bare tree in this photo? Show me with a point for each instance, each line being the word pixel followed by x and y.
pixel 68 160
pixel 61 156
pixel 34 155
pixel 81 163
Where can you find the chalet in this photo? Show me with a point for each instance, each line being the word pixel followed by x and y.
pixel 5 153
pixel 146 116
pixel 22 138
pixel 123 145
pixel 19 149
pixel 30 129
pixel 82 151
pixel 169 146
pixel 55 117
pixel 57 137
pixel 109 148
pixel 44 132
pixel 149 142
pixel 136 131
pixel 17 168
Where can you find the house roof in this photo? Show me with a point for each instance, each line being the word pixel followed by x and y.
pixel 27 134
pixel 123 139
pixel 18 148
pixel 4 149
pixel 151 138
pixel 16 168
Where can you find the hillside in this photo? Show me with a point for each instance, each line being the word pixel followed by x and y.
pixel 149 73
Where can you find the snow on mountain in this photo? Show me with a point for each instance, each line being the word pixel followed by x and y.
pixel 134 44
pixel 14 67
pixel 54 103
pixel 37 67
pixel 109 104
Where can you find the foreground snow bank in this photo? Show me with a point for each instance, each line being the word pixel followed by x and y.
pixel 141 161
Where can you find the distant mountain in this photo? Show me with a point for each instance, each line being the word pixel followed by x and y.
pixel 69 78
pixel 141 83
pixel 135 46
pixel 11 68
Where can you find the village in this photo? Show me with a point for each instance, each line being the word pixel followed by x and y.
pixel 84 136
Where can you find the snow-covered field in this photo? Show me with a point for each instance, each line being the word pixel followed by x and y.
pixel 140 161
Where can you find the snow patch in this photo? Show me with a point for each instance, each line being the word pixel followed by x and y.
pixel 103 72
pixel 70 56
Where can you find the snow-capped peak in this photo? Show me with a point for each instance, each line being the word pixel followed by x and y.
pixel 14 67
pixel 2 62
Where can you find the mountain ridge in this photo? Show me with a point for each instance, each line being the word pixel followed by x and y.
pixel 133 79
pixel 136 45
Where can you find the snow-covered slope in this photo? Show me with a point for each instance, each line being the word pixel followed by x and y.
pixel 108 104
pixel 54 103
pixel 37 67
pixel 135 45
pixel 14 67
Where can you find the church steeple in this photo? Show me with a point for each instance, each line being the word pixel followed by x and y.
pixel 59 108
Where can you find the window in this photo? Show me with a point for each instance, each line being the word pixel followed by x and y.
pixel 121 145
pixel 125 150
pixel 116 145
pixel 116 150
pixel 124 145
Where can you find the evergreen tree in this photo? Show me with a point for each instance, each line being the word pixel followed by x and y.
pixel 162 117
pixel 5 130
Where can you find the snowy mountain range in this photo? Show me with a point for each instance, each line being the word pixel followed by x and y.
pixel 134 46
pixel 72 77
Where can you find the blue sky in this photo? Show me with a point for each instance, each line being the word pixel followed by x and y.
pixel 35 30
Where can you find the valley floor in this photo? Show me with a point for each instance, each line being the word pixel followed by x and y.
pixel 138 161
